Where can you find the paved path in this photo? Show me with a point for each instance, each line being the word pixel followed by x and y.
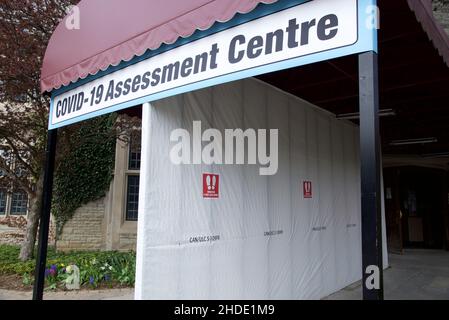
pixel 113 294
pixel 415 275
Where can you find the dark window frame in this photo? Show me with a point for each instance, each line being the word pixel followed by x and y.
pixel 3 201
pixel 19 203
pixel 134 154
pixel 132 197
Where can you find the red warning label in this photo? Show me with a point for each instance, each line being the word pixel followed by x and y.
pixel 307 189
pixel 211 185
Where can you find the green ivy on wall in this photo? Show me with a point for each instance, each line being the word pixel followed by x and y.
pixel 85 170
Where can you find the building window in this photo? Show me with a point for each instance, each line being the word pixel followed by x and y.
pixel 19 203
pixel 134 154
pixel 2 201
pixel 132 198
pixel 132 176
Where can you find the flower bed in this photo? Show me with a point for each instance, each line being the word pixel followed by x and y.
pixel 96 269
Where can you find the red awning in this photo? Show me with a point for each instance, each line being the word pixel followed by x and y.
pixel 112 31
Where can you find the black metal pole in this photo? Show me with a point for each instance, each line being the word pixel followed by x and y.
pixel 370 156
pixel 44 223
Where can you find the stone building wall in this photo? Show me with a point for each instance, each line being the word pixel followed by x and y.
pixel 85 231
pixel 128 241
pixel 101 225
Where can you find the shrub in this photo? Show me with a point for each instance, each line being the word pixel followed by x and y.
pixel 96 268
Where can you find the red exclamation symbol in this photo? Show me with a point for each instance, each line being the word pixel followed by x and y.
pixel 209 187
pixel 214 182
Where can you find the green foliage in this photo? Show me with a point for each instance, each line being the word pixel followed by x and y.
pixel 27 279
pixel 96 268
pixel 85 171
pixel 9 262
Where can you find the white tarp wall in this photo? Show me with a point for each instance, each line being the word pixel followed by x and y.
pixel 319 249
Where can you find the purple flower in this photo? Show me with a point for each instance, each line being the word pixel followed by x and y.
pixel 54 267
pixel 91 280
pixel 63 270
pixel 47 272
pixel 52 272
pixel 107 277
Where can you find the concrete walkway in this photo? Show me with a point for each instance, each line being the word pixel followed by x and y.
pixel 415 275
pixel 113 294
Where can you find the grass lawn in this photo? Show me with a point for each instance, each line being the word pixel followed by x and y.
pixel 97 269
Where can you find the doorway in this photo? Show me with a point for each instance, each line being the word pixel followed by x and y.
pixel 416 204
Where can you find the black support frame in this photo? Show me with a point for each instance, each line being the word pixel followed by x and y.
pixel 370 157
pixel 44 222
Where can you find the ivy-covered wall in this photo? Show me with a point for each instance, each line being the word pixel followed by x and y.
pixel 85 170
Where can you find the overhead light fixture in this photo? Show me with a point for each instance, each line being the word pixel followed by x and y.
pixel 356 115
pixel 435 155
pixel 413 141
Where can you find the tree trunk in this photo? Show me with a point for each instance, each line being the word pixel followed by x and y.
pixel 27 247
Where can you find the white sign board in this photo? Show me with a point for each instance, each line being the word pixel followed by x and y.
pixel 313 31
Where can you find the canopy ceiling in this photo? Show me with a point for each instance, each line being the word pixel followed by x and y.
pixel 413 74
pixel 112 31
